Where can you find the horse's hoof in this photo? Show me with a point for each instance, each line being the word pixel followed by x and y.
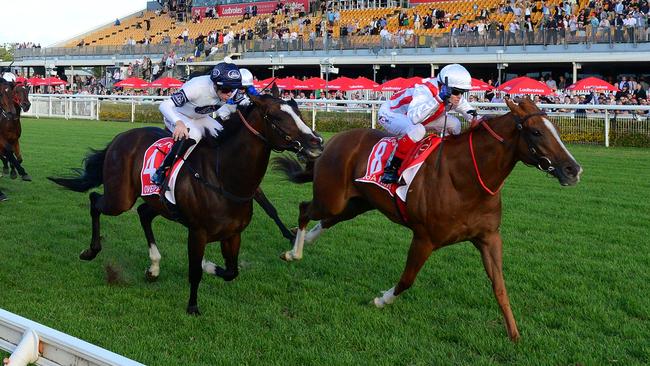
pixel 13 175
pixel 193 310
pixel 88 254
pixel 379 302
pixel 150 277
pixel 226 275
pixel 286 256
pixel 26 178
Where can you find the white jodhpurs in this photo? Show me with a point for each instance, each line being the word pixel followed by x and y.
pixel 399 124
pixel 197 126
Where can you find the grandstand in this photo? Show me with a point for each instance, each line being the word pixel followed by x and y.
pixel 490 34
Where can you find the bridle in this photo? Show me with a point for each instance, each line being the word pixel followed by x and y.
pixel 5 113
pixel 293 144
pixel 543 163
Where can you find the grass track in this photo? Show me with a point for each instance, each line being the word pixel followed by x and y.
pixel 575 261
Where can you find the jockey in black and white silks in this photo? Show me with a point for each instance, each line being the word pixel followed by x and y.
pixel 187 112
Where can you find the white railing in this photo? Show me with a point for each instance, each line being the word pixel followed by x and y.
pixel 584 123
pixel 54 347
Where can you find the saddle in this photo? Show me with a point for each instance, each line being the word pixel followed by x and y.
pixel 378 159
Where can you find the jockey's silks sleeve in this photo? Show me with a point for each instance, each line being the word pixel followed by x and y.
pixel 423 105
pixel 194 99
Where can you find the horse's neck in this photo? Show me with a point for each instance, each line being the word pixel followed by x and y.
pixel 241 161
pixel 494 160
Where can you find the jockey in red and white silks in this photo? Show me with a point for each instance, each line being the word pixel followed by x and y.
pixel 411 112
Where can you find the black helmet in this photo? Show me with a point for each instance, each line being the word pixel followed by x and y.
pixel 226 75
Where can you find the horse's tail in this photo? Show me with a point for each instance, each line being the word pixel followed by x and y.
pixel 293 170
pixel 90 176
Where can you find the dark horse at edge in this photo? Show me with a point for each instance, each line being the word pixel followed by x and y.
pixel 11 130
pixel 454 201
pixel 215 187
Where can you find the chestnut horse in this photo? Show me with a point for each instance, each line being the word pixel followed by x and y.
pixel 10 130
pixel 214 189
pixel 454 201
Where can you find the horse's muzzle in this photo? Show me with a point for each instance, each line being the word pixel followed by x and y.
pixel 25 106
pixel 568 173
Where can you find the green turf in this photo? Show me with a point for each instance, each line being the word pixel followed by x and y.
pixel 575 260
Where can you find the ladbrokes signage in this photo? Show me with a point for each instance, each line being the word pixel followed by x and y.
pixel 265 7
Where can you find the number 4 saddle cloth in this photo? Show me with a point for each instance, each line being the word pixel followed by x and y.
pixel 153 158
pixel 379 157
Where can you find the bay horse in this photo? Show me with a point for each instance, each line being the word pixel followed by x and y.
pixel 455 201
pixel 11 130
pixel 214 189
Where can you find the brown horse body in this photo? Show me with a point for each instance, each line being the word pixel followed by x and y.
pixel 214 188
pixel 10 132
pixel 446 204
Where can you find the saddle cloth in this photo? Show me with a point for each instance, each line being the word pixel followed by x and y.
pixel 379 156
pixel 153 158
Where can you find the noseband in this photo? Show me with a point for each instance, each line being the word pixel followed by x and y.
pixel 543 163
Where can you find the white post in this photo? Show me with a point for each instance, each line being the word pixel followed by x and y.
pixel 313 116
pixel 133 110
pixel 374 116
pixel 606 127
pixel 49 113
pixel 98 103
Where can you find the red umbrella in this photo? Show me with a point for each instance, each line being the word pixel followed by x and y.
pixel 263 83
pixel 479 85
pixel 166 83
pixel 415 80
pixel 592 83
pixel 525 85
pixel 367 83
pixel 393 85
pixel 315 83
pixel 134 83
pixel 52 80
pixel 288 83
pixel 35 81
pixel 341 83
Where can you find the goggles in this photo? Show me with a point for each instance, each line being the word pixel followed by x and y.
pixel 456 91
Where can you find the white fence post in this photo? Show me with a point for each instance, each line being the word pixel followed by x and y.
pixel 313 117
pixel 98 107
pixel 606 128
pixel 374 116
pixel 132 110
pixel 49 113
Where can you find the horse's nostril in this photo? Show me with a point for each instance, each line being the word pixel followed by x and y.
pixel 315 141
pixel 570 170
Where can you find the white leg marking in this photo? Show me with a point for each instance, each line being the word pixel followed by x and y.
pixel 208 267
pixel 154 256
pixel 387 299
pixel 314 233
pixel 296 252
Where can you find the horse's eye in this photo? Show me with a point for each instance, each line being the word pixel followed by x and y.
pixel 537 133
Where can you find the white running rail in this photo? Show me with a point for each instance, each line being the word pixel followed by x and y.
pixel 57 348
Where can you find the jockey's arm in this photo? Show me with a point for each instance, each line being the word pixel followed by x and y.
pixel 466 109
pixel 173 120
pixel 423 105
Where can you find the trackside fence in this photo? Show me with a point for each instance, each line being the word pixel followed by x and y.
pixel 578 123
pixel 54 348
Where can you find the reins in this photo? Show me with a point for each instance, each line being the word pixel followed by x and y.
pixel 520 126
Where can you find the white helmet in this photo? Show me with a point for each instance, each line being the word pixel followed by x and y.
pixel 246 77
pixel 456 76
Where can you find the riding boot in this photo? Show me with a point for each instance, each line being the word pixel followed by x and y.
pixel 391 173
pixel 178 149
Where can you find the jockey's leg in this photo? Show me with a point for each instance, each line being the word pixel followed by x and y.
pixel 405 145
pixel 179 149
pixel 453 125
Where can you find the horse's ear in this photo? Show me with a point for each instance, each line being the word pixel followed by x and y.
pixel 275 91
pixel 514 107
